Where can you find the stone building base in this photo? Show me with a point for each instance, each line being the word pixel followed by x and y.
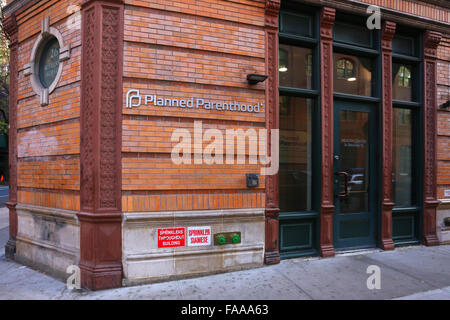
pixel 48 239
pixel 144 262
pixel 443 232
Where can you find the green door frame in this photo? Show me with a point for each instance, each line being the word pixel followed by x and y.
pixel 372 214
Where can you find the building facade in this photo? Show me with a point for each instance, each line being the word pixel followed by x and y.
pixel 160 139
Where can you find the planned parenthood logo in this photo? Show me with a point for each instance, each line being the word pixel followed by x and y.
pixel 134 99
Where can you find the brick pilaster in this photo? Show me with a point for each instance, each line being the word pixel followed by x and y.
pixel 100 149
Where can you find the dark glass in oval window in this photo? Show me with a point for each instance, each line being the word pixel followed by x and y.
pixel 49 63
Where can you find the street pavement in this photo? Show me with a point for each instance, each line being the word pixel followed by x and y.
pixel 4 195
pixel 406 273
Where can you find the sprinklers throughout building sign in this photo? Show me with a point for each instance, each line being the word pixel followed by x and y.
pixel 171 237
pixel 135 99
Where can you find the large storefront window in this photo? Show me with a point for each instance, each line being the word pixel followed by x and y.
pixel 402 154
pixel 298 180
pixel 295 174
pixel 406 171
pixel 293 67
pixel 358 121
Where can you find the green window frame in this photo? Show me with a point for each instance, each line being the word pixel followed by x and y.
pixel 406 55
pixel 306 222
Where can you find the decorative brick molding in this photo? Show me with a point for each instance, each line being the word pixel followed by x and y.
pixel 32 68
pixel 326 88
pixel 272 254
pixel 100 145
pixel 387 33
pixel 430 43
pixel 11 28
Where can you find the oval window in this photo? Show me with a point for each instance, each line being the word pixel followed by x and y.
pixel 49 62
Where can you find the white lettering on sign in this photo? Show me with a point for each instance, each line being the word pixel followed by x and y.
pixel 199 236
pixel 135 99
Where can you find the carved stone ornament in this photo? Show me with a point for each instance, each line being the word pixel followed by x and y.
pixel 272 7
pixel 32 68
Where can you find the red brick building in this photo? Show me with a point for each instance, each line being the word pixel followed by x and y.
pixel 103 92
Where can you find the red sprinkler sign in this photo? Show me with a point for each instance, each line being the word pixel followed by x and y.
pixel 171 237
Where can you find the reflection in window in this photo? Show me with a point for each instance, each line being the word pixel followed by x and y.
pixel 355 159
pixel 345 69
pixel 309 65
pixel 402 158
pixel 295 154
pixel 283 60
pixel 404 77
pixel 402 82
pixel 49 62
pixel 347 115
pixel 352 75
pixel 404 117
pixel 295 66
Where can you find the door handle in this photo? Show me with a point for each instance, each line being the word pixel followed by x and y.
pixel 345 193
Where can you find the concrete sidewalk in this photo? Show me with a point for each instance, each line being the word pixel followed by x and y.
pixel 4 218
pixel 406 273
pixel 4 229
pixel 410 272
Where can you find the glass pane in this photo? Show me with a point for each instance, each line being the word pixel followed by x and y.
pixel 295 154
pixel 354 134
pixel 352 34
pixel 352 75
pixel 49 63
pixel 402 158
pixel 402 82
pixel 295 66
pixel 296 24
pixel 403 45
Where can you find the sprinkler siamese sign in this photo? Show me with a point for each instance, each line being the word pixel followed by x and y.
pixel 135 99
pixel 171 237
pixel 198 236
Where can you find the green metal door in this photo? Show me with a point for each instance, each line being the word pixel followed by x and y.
pixel 354 176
